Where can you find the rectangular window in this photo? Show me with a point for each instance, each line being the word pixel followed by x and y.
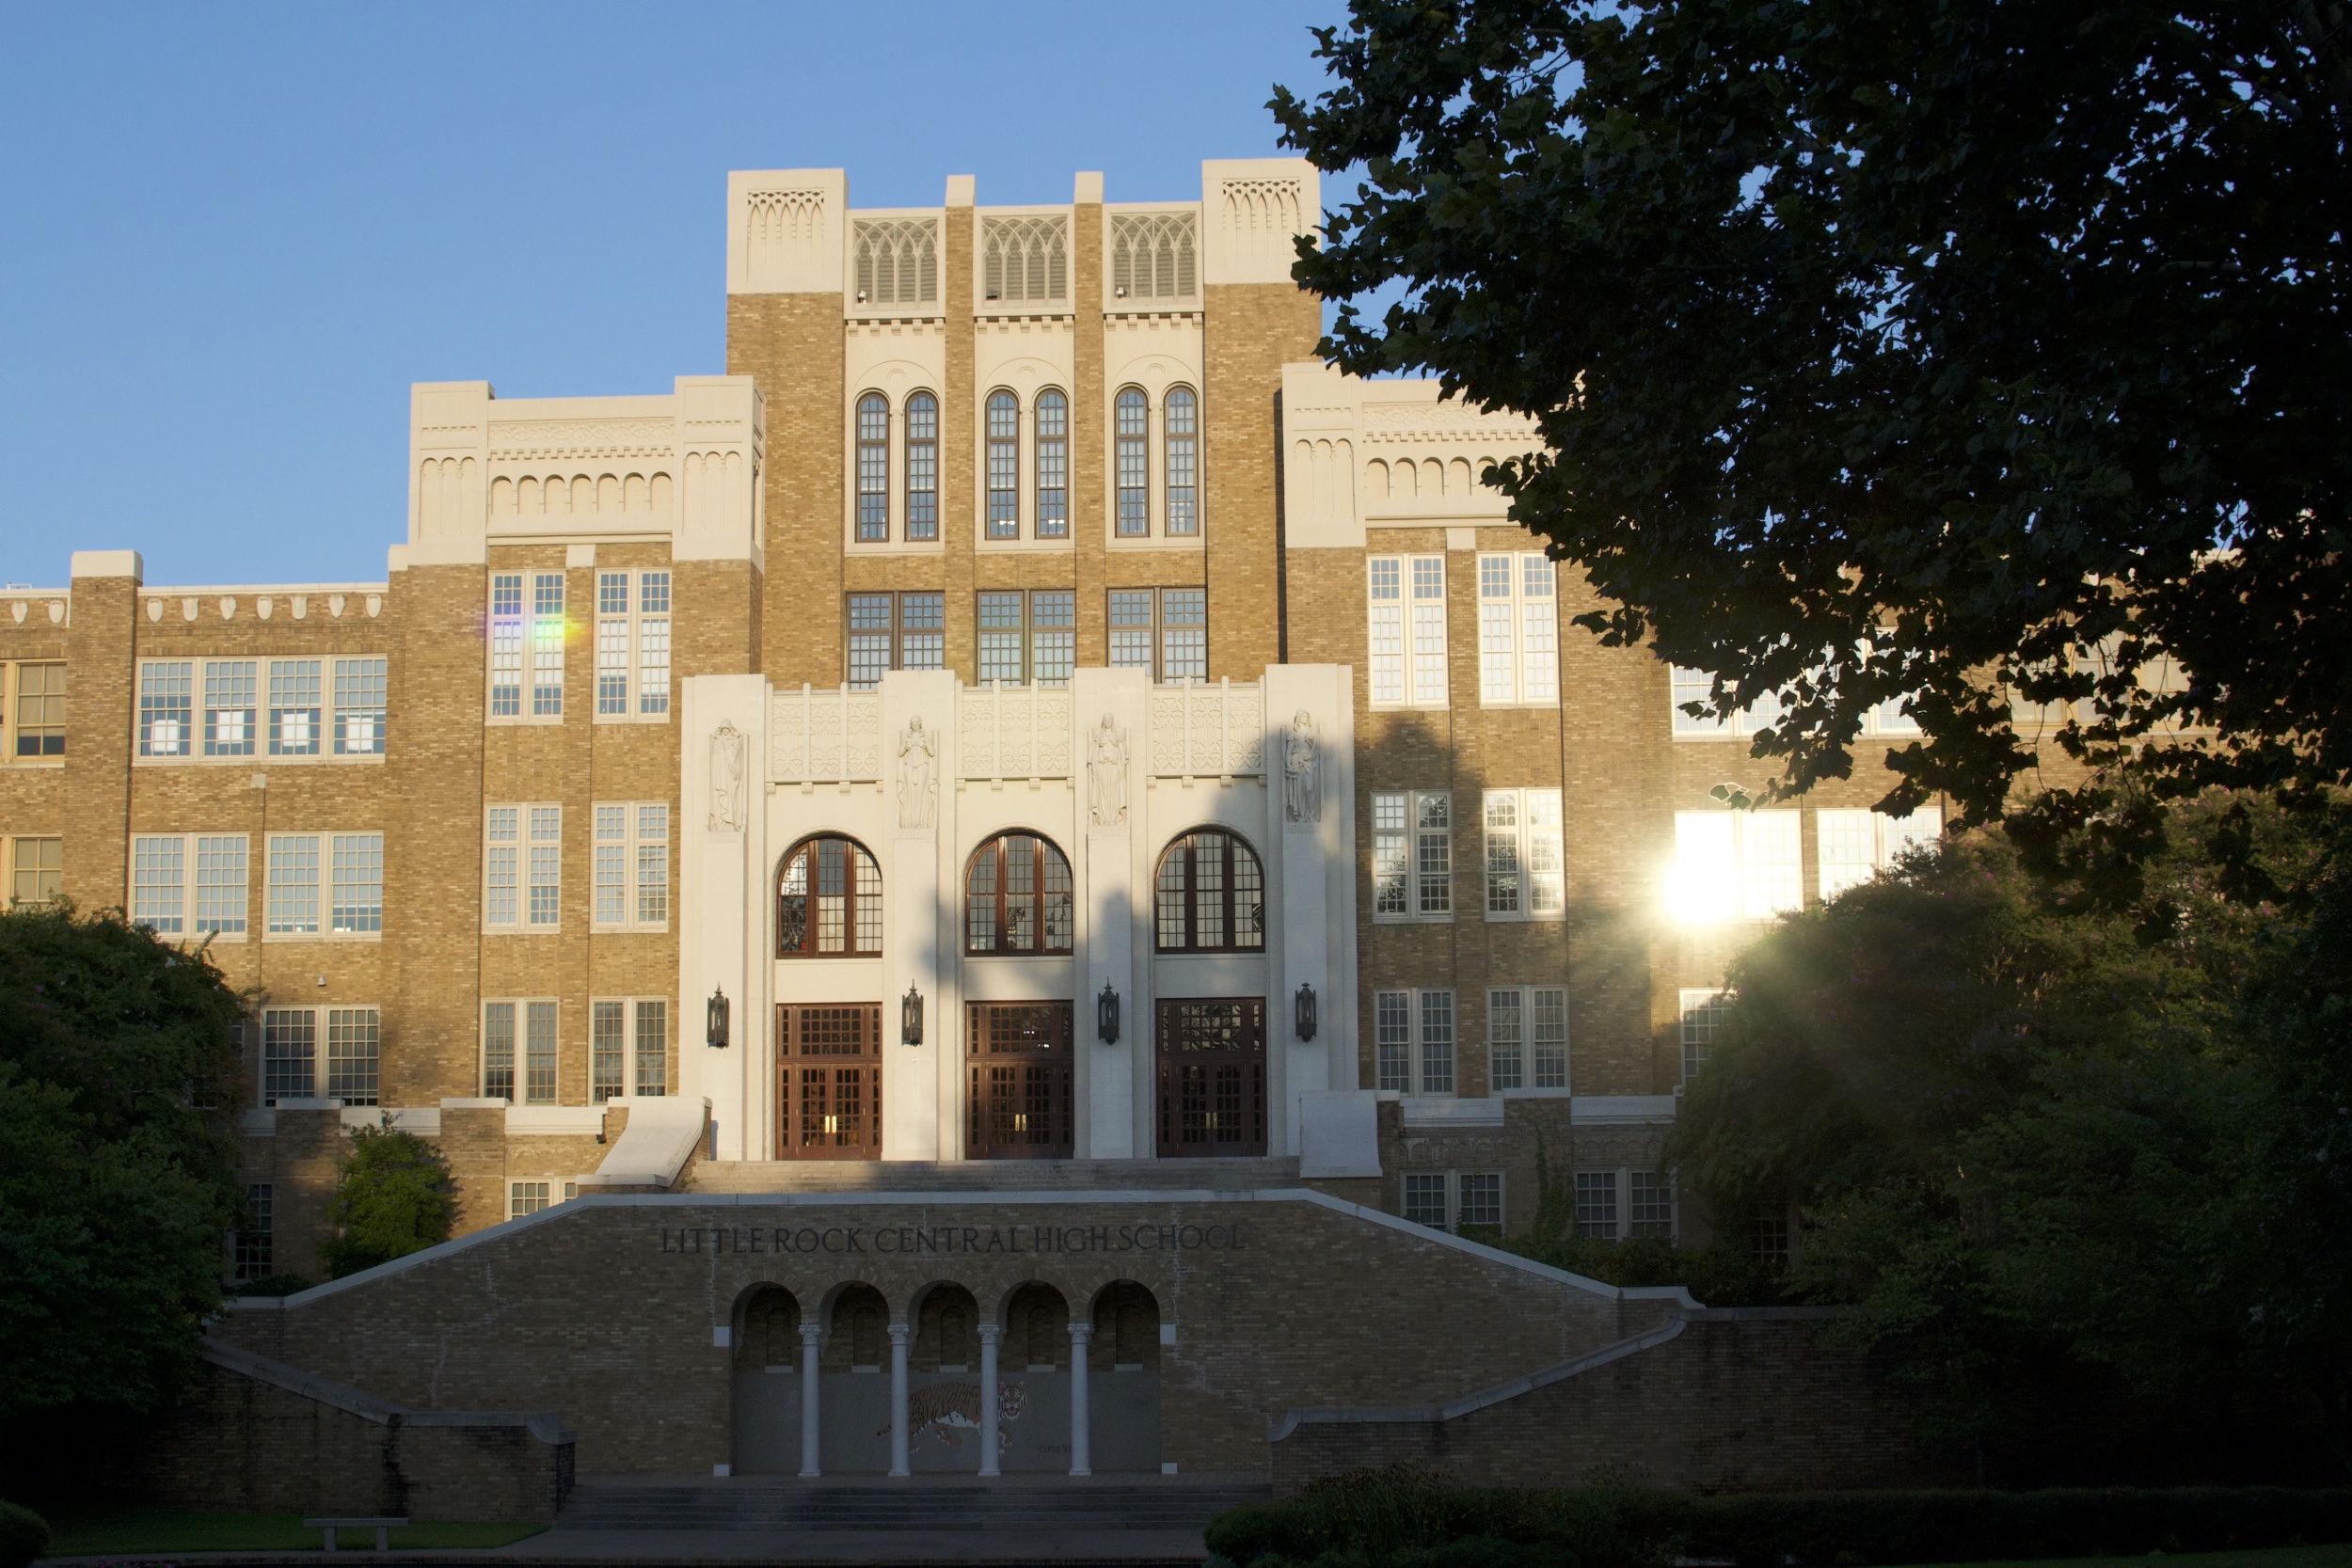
pixel 1697 686
pixel 253 1249
pixel 611 866
pixel 297 713
pixel 1436 1042
pixel 1649 1204
pixel 1506 1040
pixel 498 1050
pixel 1547 1016
pixel 501 845
pixel 1736 865
pixel 231 716
pixel 1412 855
pixel 1392 1040
pixel 356 907
pixel 1429 654
pixel 159 889
pixel 1524 874
pixel 1518 630
pixel 631 865
pixel 1163 630
pixel 166 725
pixel 360 707
pixel 539 1027
pixel 1053 636
pixel 36 870
pixel 653 1047
pixel 1001 637
pixel 1406 634
pixel 354 1039
pixel 896 631
pixel 546 886
pixel 1424 1199
pixel 1597 1204
pixel 1413 1040
pixel 1527 1038
pixel 633 645
pixel 1855 846
pixel 547 645
pixel 39 711
pixel 506 646
pixel 1453 1201
pixel 1702 1016
pixel 607 1049
pixel 290 1050
pixel 220 885
pixel 294 885
pixel 653 865
pixel 1482 1199
pixel 527 1198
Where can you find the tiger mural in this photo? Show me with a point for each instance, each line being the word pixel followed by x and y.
pixel 944 1408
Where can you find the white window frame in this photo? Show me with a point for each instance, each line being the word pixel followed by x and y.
pixel 526 641
pixel 630 865
pixel 1518 630
pixel 1448 1187
pixel 635 1013
pixel 530 1197
pixel 1735 865
pixel 271 1018
pixel 334 914
pixel 1526 874
pixel 1405 855
pixel 14 846
pixel 524 862
pixel 1886 719
pixel 527 1014
pixel 1598 1183
pixel 1165 634
pixel 199 741
pixel 178 906
pixel 634 677
pixel 12 716
pixel 1854 846
pixel 160 875
pixel 1425 1056
pixel 1700 1015
pixel 1539 1017
pixel 1405 634
pixel 1638 1228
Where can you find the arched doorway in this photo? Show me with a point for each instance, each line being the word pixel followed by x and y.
pixel 854 1394
pixel 1123 1381
pixel 766 1382
pixel 943 1384
pixel 1033 1378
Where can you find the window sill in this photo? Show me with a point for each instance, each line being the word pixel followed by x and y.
pixel 661 930
pixel 656 721
pixel 1409 707
pixel 1147 542
pixel 262 759
pixel 354 939
pixel 50 764
pixel 522 930
pixel 1555 918
pixel 552 720
pixel 1412 920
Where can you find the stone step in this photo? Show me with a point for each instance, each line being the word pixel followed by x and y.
pixel 922 1503
pixel 945 1176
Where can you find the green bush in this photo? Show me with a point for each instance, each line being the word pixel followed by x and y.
pixel 273 1285
pixel 23 1535
pixel 1398 1519
pixel 394 1197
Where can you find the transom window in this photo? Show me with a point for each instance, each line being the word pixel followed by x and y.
pixel 1211 895
pixel 873 467
pixel 1017 897
pixel 829 900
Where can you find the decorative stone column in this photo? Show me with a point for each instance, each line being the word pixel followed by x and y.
pixel 989 1334
pixel 1081 1335
pixel 898 1333
pixel 809 1336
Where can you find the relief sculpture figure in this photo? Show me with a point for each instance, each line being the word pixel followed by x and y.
pixel 726 779
pixel 1106 774
pixel 918 790
pixel 1302 770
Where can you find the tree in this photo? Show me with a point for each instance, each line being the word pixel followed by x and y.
pixel 393 1198
pixel 116 1180
pixel 1965 353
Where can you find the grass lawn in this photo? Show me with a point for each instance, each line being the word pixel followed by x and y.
pixel 165 1529
pixel 2275 1556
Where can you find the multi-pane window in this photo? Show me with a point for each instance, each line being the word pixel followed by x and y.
pixel 922 466
pixel 1425 1199
pixel 607 1049
pixel 1165 630
pixel 36 870
pixel 37 709
pixel 1211 895
pixel 632 865
pixel 1527 1038
pixel 354 1047
pixel 527 1197
pixel 1697 685
pixel 359 706
pixel 547 645
pixel 356 905
pixel 284 708
pixel 527 649
pixel 231 716
pixel 1702 1016
pixel 1412 855
pixel 534 1020
pixel 159 884
pixel 1453 1201
pixel 829 900
pixel 633 645
pixel 1029 637
pixel 1518 630
pixel 289 1054
pixel 506 644
pixel 220 885
pixel 896 631
pixel 498 1050
pixel 1053 466
pixel 1004 466
pixel 1017 897
pixel 501 851
pixel 1649 1204
pixel 1001 638
pixel 617 1025
pixel 294 884
pixel 1480 1199
pixel 873 467
pixel 1524 875
pixel 1131 426
pixel 1736 865
pixel 1181 416
pixel 254 1252
pixel 1407 630
pixel 1413 1040
pixel 543 907
pixel 296 708
pixel 166 708
pixel 652 1018
pixel 522 867
pixel 1597 1204
pixel 1856 844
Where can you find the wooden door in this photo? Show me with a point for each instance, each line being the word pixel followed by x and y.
pixel 1022 1082
pixel 1212 1077
pixel 828 1081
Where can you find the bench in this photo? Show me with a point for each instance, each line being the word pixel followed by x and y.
pixel 383 1528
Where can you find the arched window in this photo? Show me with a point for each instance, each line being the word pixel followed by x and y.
pixel 1053 466
pixel 829 900
pixel 1017 897
pixel 1132 428
pixel 873 467
pixel 1211 896
pixel 922 466
pixel 1004 466
pixel 1182 462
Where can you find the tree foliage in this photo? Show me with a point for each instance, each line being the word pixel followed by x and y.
pixel 1973 353
pixel 393 1196
pixel 117 1185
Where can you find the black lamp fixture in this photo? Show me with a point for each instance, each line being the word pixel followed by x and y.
pixel 715 1033
pixel 1304 1012
pixel 910 1018
pixel 1106 1016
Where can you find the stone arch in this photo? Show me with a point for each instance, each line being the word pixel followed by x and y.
pixel 946 1317
pixel 766 1381
pixel 1037 1328
pixel 767 1328
pixel 857 1329
pixel 1126 1318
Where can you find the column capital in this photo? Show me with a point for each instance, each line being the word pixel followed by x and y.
pixel 992 1333
pixel 1081 1333
pixel 809 1333
pixel 898 1333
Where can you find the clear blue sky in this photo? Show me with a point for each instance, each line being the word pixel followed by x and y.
pixel 231 236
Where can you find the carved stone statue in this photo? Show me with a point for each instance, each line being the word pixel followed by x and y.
pixel 1106 774
pixel 726 779
pixel 1302 770
pixel 918 784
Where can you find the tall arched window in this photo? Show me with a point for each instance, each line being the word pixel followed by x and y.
pixel 873 467
pixel 829 900
pixel 1132 429
pixel 922 466
pixel 1211 896
pixel 1053 466
pixel 1017 897
pixel 1182 462
pixel 1004 466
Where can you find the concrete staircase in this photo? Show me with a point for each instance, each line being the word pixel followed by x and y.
pixel 1042 1505
pixel 992 1176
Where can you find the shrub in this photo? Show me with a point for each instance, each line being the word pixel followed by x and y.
pixel 23 1535
pixel 273 1285
pixel 394 1197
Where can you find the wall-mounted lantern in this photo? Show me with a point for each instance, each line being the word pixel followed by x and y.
pixel 1304 1011
pixel 1106 1016
pixel 715 1033
pixel 910 1018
